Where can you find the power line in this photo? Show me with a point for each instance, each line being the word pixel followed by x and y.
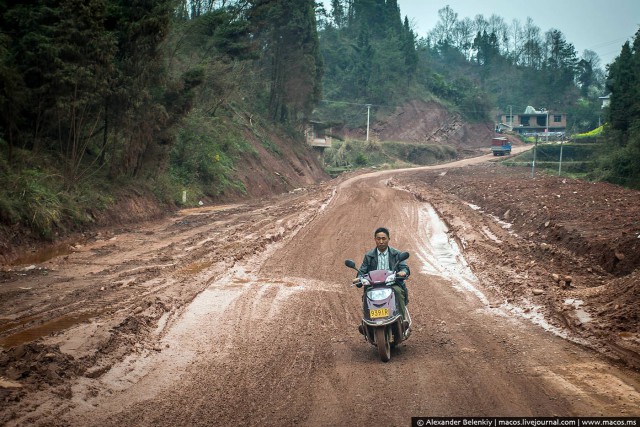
pixel 609 43
pixel 344 102
pixel 354 103
pixel 394 106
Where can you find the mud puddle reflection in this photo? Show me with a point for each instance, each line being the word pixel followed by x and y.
pixel 45 254
pixel 45 329
pixel 441 255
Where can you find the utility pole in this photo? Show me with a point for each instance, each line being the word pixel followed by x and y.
pixel 368 114
pixel 511 117
pixel 547 125
pixel 533 164
pixel 560 165
pixel 561 141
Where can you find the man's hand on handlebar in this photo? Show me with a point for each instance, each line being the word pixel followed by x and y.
pixel 359 282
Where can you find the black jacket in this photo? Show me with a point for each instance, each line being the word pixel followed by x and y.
pixel 370 262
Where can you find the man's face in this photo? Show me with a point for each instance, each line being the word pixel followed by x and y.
pixel 382 241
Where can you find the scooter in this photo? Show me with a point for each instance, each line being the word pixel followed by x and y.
pixel 382 323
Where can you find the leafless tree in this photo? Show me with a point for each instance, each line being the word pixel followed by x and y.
pixel 443 32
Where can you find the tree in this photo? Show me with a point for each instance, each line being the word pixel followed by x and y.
pixel 463 36
pixel 585 76
pixel 92 78
pixel 516 48
pixel 622 83
pixel 408 41
pixel 368 13
pixel 486 46
pixel 622 165
pixel 296 66
pixel 136 109
pixel 443 33
pixel 532 50
pixel 12 96
pixel 499 28
pixel 591 77
pixel 338 13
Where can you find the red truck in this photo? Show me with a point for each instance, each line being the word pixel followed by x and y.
pixel 500 146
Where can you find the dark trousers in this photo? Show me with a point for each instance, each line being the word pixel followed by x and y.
pixel 400 298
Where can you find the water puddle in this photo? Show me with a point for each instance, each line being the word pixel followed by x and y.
pixel 580 313
pixel 534 313
pixel 44 254
pixel 13 322
pixel 503 224
pixel 490 235
pixel 47 328
pixel 442 256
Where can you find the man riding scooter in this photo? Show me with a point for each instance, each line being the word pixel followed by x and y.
pixel 384 257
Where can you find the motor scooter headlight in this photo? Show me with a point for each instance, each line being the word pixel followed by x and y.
pixel 379 294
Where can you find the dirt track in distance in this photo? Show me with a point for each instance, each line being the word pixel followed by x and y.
pixel 243 315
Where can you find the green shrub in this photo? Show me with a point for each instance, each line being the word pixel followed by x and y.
pixel 419 154
pixel 593 133
pixel 621 164
pixel 351 153
pixel 32 197
pixel 205 153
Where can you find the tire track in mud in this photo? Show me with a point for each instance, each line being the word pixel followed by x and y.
pixel 196 272
pixel 459 359
pixel 258 365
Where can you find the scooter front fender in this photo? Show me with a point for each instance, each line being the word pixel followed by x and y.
pixel 381 323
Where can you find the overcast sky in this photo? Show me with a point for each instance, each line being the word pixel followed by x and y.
pixel 599 25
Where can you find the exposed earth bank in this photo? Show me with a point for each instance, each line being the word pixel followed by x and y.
pixel 572 248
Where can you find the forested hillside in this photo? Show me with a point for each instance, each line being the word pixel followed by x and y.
pixel 105 100
pixel 108 100
pixel 477 67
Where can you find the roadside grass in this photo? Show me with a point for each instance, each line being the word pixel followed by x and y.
pixel 34 195
pixel 204 157
pixel 355 154
pixel 578 159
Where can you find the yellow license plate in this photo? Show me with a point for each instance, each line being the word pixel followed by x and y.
pixel 379 312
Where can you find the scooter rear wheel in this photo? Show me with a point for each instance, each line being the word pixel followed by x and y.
pixel 382 342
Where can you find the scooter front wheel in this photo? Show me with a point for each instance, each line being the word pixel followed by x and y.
pixel 382 342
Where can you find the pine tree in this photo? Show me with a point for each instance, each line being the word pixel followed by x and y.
pixel 621 84
pixel 408 41
pixel 296 66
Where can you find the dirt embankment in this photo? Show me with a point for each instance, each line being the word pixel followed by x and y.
pixel 572 247
pixel 276 164
pixel 420 122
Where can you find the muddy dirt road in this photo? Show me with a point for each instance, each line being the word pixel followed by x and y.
pixel 243 315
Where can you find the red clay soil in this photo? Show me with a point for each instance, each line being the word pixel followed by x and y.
pixel 243 313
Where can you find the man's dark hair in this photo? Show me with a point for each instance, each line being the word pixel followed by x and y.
pixel 381 230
